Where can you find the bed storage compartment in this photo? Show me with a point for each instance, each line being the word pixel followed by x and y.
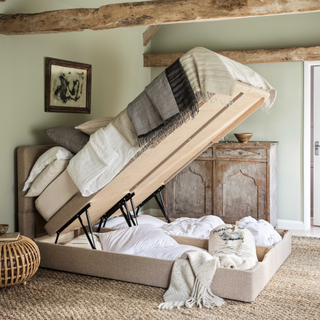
pixel 242 285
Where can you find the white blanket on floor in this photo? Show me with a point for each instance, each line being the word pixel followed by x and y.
pixel 101 159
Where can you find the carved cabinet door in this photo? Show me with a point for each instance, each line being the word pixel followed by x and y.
pixel 189 194
pixel 240 190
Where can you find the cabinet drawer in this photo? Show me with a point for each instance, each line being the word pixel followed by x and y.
pixel 241 153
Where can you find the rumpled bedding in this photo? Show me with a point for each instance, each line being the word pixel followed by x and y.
pixel 185 227
pixel 192 227
pixel 171 99
pixel 144 240
pixel 263 232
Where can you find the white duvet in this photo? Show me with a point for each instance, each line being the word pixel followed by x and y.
pixel 184 227
pixel 100 160
pixel 144 240
pixel 192 227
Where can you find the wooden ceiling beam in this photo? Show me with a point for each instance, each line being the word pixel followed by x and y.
pixel 148 13
pixel 297 54
pixel 149 33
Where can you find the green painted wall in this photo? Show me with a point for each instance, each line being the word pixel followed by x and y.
pixel 284 123
pixel 118 77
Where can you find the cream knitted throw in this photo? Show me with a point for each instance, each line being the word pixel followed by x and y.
pixel 210 72
pixel 191 278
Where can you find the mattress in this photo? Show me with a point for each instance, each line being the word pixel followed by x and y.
pixel 158 165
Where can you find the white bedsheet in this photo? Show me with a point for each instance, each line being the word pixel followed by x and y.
pixel 101 159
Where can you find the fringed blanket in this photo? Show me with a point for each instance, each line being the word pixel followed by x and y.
pixel 229 247
pixel 172 98
pixel 191 278
pixel 163 106
pixel 210 72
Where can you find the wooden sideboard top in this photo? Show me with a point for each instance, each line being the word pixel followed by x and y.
pixel 252 144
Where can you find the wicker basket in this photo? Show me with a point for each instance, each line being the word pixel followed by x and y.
pixel 19 261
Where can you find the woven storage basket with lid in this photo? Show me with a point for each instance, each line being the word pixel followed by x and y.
pixel 19 261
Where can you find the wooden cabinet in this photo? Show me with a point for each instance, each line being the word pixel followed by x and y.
pixel 230 180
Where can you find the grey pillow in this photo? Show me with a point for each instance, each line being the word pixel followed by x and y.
pixel 68 137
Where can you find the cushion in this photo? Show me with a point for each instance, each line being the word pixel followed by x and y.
pixel 55 153
pixel 92 126
pixel 136 239
pixel 143 219
pixel 46 177
pixel 68 137
pixel 83 242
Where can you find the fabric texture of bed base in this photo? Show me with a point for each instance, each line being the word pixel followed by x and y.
pixel 242 285
pixel 56 195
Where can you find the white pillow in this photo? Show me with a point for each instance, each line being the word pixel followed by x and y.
pixel 55 153
pixel 49 173
pixel 83 242
pixel 143 219
pixel 135 239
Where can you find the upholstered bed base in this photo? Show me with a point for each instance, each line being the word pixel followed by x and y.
pixel 243 285
pixel 230 284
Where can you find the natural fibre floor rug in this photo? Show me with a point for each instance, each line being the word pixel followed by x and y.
pixel 293 293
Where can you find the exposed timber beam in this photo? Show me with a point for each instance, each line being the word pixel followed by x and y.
pixel 148 13
pixel 149 33
pixel 244 56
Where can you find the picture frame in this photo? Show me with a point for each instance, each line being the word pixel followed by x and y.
pixel 67 86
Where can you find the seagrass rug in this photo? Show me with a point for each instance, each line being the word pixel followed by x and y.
pixel 293 293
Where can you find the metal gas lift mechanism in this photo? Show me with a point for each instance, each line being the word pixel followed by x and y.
pixel 123 206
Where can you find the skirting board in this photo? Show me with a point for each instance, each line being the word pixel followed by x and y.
pixel 282 224
pixel 291 225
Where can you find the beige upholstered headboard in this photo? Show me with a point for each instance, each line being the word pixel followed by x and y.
pixel 31 224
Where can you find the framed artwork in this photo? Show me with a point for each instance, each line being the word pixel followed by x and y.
pixel 67 86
